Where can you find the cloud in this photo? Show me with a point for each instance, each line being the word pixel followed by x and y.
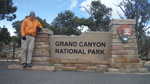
pixel 109 3
pixel 85 5
pixel 73 4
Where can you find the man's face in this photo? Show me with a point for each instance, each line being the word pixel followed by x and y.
pixel 32 17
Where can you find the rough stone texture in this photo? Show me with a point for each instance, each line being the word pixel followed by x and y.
pixel 113 70
pixel 46 68
pixel 40 63
pixel 35 67
pixel 41 52
pixel 117 45
pixel 124 55
pixel 69 68
pixel 146 63
pixel 118 21
pixel 143 70
pixel 15 66
pixel 81 67
pixel 40 59
pixel 76 61
pixel 59 67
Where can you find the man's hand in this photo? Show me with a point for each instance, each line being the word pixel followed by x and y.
pixel 24 38
pixel 39 29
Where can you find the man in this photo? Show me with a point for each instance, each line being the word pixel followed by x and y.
pixel 29 28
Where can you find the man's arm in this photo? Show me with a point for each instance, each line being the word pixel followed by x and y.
pixel 39 26
pixel 23 30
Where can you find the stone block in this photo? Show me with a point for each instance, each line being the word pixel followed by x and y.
pixel 42 46
pixel 116 52
pixel 93 68
pixel 120 60
pixel 47 31
pixel 121 47
pixel 143 70
pixel 42 39
pixel 126 65
pixel 42 68
pixel 15 67
pixel 42 35
pixel 133 60
pixel 117 65
pixel 124 52
pixel 102 68
pixel 81 67
pixel 41 53
pixel 146 63
pixel 68 65
pixel 117 40
pixel 126 60
pixel 41 43
pixel 59 67
pixel 69 68
pixel 129 45
pixel 119 22
pixel 116 36
pixel 129 70
pixel 40 59
pixel 113 70
pixel 54 60
pixel 41 49
pixel 40 63
pixel 68 61
pixel 114 56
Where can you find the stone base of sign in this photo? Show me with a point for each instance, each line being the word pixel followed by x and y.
pixel 62 67
pixel 15 67
pixel 76 61
pixel 113 70
pixel 82 68
pixel 129 67
pixel 35 67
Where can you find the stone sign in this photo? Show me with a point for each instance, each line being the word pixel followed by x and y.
pixel 90 51
pixel 91 46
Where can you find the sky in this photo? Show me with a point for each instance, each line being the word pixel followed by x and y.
pixel 48 9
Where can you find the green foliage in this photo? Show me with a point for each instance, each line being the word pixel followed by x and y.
pixel 7 10
pixel 16 41
pixel 17 26
pixel 43 22
pixel 65 23
pixel 4 36
pixel 99 16
pixel 138 10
